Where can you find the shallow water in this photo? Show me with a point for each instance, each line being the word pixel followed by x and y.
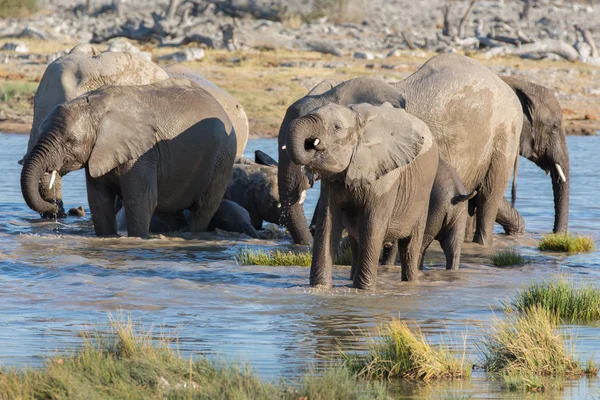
pixel 57 279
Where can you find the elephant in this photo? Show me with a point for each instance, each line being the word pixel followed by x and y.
pixel 253 185
pixel 293 180
pixel 132 148
pixel 377 166
pixel 234 110
pixel 473 115
pixel 80 71
pixel 543 142
pixel 232 217
pixel 446 218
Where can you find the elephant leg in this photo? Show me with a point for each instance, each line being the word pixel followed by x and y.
pixel 410 248
pixel 354 249
pixel 470 227
pixel 139 189
pixel 256 220
pixel 102 202
pixel 168 222
pixel 313 221
pixel 427 240
pixel 489 196
pixel 328 222
pixel 390 253
pixel 510 219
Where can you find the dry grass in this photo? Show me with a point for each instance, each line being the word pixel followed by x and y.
pixel 568 301
pixel 401 353
pixel 566 242
pixel 507 258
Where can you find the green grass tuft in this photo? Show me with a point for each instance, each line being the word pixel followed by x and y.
pixel 506 258
pixel 566 300
pixel 565 242
pixel 526 347
pixel 400 353
pixel 273 257
pixel 127 363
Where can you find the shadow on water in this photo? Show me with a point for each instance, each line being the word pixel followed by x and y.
pixel 57 278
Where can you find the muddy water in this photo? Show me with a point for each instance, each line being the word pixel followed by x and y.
pixel 57 279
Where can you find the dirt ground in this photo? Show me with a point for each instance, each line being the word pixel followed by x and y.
pixel 267 82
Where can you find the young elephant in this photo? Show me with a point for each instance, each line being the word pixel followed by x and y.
pixel 446 217
pixel 131 146
pixel 378 164
pixel 232 217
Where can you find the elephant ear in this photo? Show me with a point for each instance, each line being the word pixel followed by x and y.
pixel 390 139
pixel 262 158
pixel 121 138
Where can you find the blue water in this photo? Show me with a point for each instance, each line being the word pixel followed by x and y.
pixel 57 279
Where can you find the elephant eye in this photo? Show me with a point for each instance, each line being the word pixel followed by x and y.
pixel 337 126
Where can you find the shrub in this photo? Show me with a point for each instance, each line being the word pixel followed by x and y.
pixel 17 8
pixel 506 258
pixel 565 242
pixel 566 300
pixel 400 353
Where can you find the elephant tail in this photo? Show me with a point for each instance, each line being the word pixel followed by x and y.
pixel 513 191
pixel 463 197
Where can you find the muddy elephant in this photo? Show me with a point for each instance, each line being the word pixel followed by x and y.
pixel 80 71
pixel 543 142
pixel 474 116
pixel 378 164
pixel 234 110
pixel 446 218
pixel 132 148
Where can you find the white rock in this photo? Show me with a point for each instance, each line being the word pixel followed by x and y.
pixel 122 45
pixel 365 55
pixel 17 47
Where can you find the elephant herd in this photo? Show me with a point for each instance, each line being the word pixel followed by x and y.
pixel 401 164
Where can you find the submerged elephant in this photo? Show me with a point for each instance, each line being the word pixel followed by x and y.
pixel 378 165
pixel 446 218
pixel 80 71
pixel 543 142
pixel 131 147
pixel 232 217
pixel 473 115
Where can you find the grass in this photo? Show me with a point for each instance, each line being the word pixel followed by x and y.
pixel 566 242
pixel 125 362
pixel 273 257
pixel 506 258
pixel 568 301
pixel 17 8
pixel 402 353
pixel 526 348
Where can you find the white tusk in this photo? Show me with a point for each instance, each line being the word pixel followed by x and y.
pixel 546 172
pixel 316 143
pixel 283 147
pixel 302 196
pixel 278 205
pixel 560 172
pixel 52 179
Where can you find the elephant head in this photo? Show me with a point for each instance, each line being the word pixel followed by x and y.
pixel 293 181
pixel 543 141
pixel 361 142
pixel 100 131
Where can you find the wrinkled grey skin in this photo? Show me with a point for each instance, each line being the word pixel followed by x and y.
pixel 232 217
pixel 253 186
pixel 80 71
pixel 130 148
pixel 378 166
pixel 446 218
pixel 234 110
pixel 293 180
pixel 543 142
pixel 476 120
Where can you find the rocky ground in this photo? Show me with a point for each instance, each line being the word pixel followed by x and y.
pixel 269 52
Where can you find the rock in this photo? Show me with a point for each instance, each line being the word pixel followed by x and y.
pixel 3 116
pixel 17 47
pixel 394 53
pixel 189 54
pixel 324 47
pixel 365 55
pixel 122 45
pixel 32 33
pixel 584 49
pixel 77 212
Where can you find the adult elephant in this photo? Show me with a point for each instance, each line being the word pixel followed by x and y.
pixel 474 116
pixel 80 71
pixel 543 142
pixel 234 110
pixel 131 147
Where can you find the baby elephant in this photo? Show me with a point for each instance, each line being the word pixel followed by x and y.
pixel 377 167
pixel 446 218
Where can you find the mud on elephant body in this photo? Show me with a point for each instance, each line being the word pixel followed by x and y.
pixel 378 166
pixel 131 148
pixel 82 70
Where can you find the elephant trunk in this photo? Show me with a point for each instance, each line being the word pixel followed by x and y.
pixel 561 180
pixel 302 140
pixel 33 177
pixel 292 183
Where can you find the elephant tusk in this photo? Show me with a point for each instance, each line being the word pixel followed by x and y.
pixel 283 147
pixel 52 179
pixel 560 172
pixel 546 172
pixel 278 205
pixel 302 197
pixel 316 142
